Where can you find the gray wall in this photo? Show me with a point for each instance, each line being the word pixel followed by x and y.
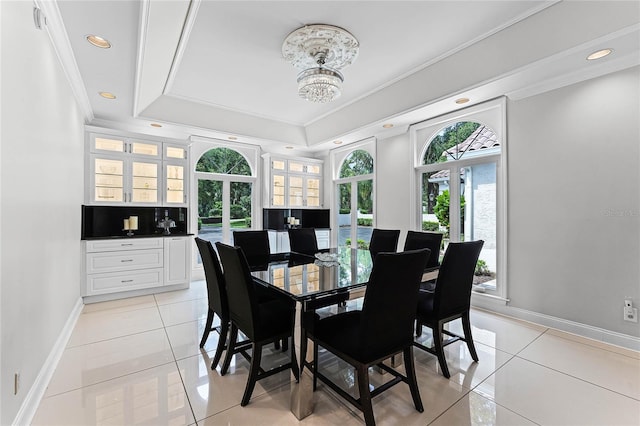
pixel 41 177
pixel 574 209
pixel 573 200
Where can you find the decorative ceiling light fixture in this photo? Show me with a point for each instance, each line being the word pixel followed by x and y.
pixel 320 51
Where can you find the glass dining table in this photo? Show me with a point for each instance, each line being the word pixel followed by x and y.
pixel 314 281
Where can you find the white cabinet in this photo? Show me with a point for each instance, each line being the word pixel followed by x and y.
pixel 177 263
pixel 293 182
pixel 135 172
pixel 279 240
pixel 116 266
pixel 175 163
pixel 323 237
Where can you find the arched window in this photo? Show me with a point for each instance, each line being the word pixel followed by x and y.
pixel 224 161
pixel 355 196
pixel 359 162
pixel 458 171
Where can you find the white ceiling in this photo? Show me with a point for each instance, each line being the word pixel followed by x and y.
pixel 215 68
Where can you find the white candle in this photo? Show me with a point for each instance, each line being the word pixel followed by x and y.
pixel 297 222
pixel 133 223
pixel 126 225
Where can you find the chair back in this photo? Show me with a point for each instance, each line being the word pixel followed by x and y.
pixel 383 240
pixel 254 244
pixel 239 286
pixel 455 278
pixel 431 240
pixel 390 302
pixel 216 291
pixel 303 240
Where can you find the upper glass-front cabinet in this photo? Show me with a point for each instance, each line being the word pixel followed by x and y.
pixel 115 144
pixel 129 171
pixel 294 182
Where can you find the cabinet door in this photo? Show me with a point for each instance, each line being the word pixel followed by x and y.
pixel 175 183
pixel 312 192
pixel 144 182
pixel 278 191
pixel 296 191
pixel 323 236
pixel 107 144
pixel 175 152
pixel 145 148
pixel 176 260
pixel 107 179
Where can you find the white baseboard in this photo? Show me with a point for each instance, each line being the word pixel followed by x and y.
pixel 35 394
pixel 606 336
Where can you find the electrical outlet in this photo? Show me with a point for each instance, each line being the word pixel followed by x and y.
pixel 629 312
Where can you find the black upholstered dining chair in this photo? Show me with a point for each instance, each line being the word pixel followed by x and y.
pixel 383 328
pixel 450 300
pixel 254 244
pixel 303 240
pixel 432 240
pixel 261 321
pixel 217 298
pixel 383 240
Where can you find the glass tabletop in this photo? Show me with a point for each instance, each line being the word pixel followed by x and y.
pixel 305 277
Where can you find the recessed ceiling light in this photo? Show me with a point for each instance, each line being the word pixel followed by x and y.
pixel 232 138
pixel 288 147
pixel 337 142
pixel 599 54
pixel 155 125
pixel 98 41
pixel 107 95
pixel 462 100
pixel 387 126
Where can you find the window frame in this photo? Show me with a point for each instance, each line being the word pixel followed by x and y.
pixel 493 115
pixel 252 154
pixel 338 156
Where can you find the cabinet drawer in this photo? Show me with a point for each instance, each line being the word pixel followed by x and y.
pixel 123 260
pixel 124 244
pixel 123 281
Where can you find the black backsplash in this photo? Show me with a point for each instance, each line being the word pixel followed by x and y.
pixel 309 218
pixel 107 221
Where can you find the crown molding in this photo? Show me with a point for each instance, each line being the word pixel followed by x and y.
pixel 58 35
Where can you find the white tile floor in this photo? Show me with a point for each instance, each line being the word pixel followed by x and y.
pixel 137 361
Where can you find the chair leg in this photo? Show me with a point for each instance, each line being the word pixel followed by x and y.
pixel 315 365
pixel 256 355
pixel 418 328
pixel 285 345
pixel 276 344
pixel 222 342
pixel 466 326
pixel 439 348
pixel 411 378
pixel 207 328
pixel 365 395
pixel 231 346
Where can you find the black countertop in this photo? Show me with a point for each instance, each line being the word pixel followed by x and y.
pixel 124 237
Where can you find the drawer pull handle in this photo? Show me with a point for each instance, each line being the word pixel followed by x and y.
pixel 126 260
pixel 129 244
pixel 126 281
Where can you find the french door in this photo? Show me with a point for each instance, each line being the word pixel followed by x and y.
pixel 355 211
pixel 225 204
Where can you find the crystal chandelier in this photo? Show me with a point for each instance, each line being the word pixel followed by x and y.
pixel 320 51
